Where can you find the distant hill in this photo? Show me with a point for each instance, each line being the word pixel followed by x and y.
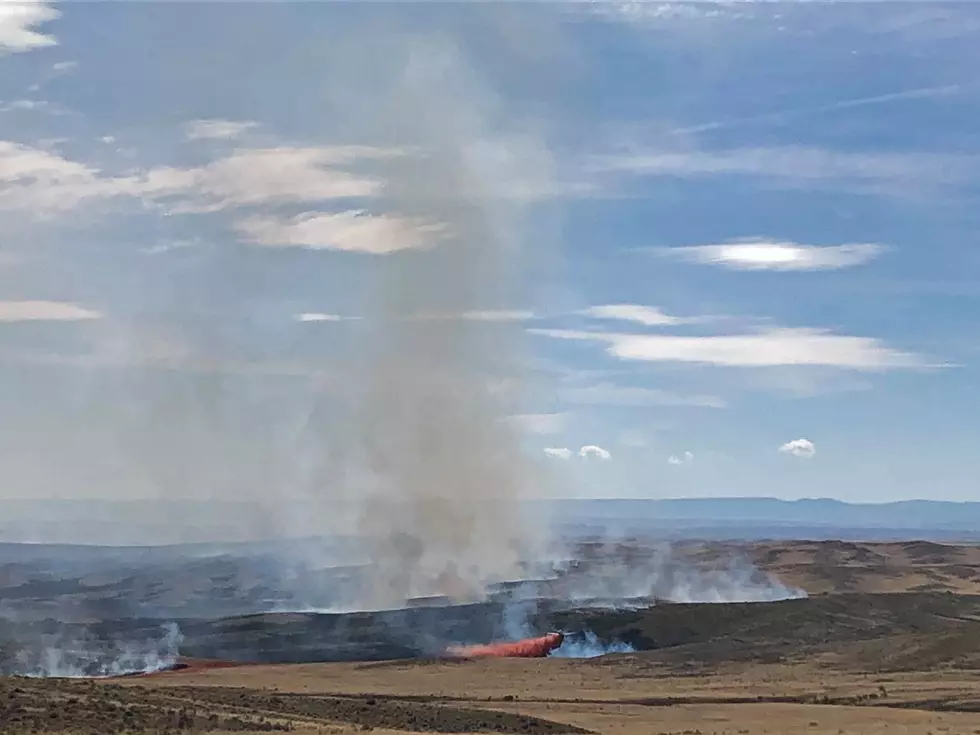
pixel 818 518
pixel 155 522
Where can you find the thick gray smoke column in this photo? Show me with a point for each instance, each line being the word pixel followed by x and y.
pixel 441 475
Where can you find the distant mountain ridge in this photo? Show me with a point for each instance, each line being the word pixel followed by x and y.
pixel 156 522
pixel 810 512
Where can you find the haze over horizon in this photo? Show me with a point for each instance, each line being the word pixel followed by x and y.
pixel 747 244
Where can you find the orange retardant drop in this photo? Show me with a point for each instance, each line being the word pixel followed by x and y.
pixel 527 648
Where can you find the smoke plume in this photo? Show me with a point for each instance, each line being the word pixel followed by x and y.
pixel 434 465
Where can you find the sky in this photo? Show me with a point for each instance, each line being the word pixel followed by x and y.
pixel 744 244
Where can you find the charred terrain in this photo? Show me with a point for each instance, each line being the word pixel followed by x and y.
pixel 866 638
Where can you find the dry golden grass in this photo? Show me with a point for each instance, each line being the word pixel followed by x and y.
pixel 822 567
pixel 605 695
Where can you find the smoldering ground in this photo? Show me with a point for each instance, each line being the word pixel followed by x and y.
pixel 77 652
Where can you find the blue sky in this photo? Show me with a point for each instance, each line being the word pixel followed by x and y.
pixel 745 237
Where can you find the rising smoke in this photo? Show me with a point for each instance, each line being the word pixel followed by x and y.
pixel 434 464
pixel 588 645
pixel 618 575
pixel 85 655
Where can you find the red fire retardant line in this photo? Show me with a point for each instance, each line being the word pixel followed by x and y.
pixel 527 648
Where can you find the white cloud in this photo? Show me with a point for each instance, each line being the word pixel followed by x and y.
pixel 685 458
pixel 18 19
pixel 318 317
pixel 802 448
pixel 49 311
pixel 34 179
pixel 773 347
pixel 540 423
pixel 644 12
pixel 780 346
pixel 271 175
pixel 591 450
pixel 649 316
pixel 42 183
pixel 61 67
pixel 762 254
pixel 353 231
pixel 896 174
pixel 216 129
pixel 28 105
pixel 620 395
pixel 558 452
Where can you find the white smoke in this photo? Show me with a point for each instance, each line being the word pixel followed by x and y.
pixel 86 656
pixel 433 465
pixel 619 575
pixel 588 645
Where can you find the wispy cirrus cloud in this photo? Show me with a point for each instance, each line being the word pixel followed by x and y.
pixel 777 255
pixel 766 348
pixel 45 311
pixel 898 174
pixel 352 231
pixel 217 129
pixel 44 183
pixel 782 116
pixel 649 316
pixel 315 316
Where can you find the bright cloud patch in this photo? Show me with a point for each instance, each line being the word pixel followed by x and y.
pixel 591 450
pixel 685 458
pixel 271 175
pixel 353 231
pixel 558 452
pixel 44 311
pixel 799 448
pixel 17 23
pixel 311 316
pixel 649 316
pixel 759 254
pixel 774 347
